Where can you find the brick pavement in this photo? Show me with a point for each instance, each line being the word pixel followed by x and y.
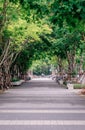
pixel 42 105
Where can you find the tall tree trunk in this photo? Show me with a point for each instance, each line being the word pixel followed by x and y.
pixel 60 66
pixel 6 77
pixel 71 63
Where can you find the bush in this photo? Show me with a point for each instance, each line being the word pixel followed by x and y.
pixel 79 86
pixel 15 79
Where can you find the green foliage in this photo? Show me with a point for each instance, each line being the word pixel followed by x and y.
pixel 68 10
pixel 42 66
pixel 22 61
pixel 79 86
pixel 38 29
pixel 15 79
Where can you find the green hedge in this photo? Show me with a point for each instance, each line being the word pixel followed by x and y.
pixel 79 86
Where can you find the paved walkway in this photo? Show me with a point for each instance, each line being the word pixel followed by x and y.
pixel 42 104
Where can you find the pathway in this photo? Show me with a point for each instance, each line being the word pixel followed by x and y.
pixel 41 104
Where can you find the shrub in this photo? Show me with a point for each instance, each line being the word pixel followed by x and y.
pixel 15 79
pixel 79 86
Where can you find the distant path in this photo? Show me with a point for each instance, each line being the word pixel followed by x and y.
pixel 41 104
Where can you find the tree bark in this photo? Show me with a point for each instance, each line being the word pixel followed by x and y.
pixel 60 66
pixel 71 63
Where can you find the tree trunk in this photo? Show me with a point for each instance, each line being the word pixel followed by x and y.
pixel 6 77
pixel 60 65
pixel 71 64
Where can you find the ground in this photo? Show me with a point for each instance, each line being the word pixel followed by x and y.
pixel 41 104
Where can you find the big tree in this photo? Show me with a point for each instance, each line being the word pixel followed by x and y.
pixel 70 14
pixel 23 26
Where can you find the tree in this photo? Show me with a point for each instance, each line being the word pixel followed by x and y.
pixel 71 15
pixel 16 31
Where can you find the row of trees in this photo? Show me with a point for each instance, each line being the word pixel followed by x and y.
pixel 20 29
pixel 70 32
pixel 34 29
